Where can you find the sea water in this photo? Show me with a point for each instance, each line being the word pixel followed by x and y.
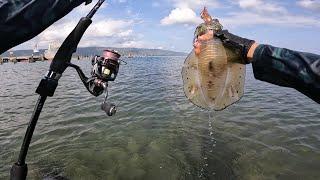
pixel 271 133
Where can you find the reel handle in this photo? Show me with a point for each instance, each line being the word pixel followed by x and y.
pixel 109 108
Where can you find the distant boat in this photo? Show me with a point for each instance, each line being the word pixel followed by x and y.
pixel 35 56
pixel 35 49
pixel 51 51
pixel 130 55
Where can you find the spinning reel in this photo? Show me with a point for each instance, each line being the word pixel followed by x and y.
pixel 104 69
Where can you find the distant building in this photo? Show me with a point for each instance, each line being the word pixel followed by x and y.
pixel 52 50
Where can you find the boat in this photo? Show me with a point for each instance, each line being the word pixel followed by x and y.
pixel 35 55
pixel 36 49
pixel 130 55
pixel 51 51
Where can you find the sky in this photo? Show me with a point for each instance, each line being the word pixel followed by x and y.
pixel 170 24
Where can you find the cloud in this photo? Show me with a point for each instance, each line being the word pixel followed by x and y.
pixel 260 12
pixel 155 4
pixel 261 6
pixel 310 4
pixel 184 11
pixel 250 18
pixel 102 32
pixel 102 28
pixel 84 9
pixel 132 43
pixel 122 1
pixel 110 27
pixel 109 32
pixel 124 33
pixel 246 12
pixel 195 4
pixel 181 16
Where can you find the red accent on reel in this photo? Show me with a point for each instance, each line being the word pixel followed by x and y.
pixel 111 54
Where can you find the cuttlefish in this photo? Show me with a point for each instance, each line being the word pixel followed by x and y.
pixel 213 75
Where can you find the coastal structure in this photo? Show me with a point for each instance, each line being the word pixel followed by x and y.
pixel 51 51
pixel 35 56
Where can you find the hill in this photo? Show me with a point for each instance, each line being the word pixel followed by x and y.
pixel 89 51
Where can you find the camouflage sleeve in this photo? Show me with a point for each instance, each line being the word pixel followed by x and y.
pixel 288 68
pixel 24 19
pixel 218 25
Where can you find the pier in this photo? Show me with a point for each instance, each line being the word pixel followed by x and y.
pixel 16 59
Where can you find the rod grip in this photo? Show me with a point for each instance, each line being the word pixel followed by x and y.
pixel 69 46
pixel 18 172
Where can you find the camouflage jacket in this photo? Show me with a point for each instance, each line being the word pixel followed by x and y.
pixel 21 20
pixel 288 68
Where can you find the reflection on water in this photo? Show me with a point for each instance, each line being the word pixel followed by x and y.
pixel 272 133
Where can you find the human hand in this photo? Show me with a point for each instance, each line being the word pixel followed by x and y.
pixel 207 36
pixel 245 47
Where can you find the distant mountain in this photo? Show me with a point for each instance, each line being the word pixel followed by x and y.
pixel 128 51
pixel 89 51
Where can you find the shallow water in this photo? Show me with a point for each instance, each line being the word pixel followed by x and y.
pixel 272 133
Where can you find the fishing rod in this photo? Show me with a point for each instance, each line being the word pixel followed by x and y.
pixel 105 68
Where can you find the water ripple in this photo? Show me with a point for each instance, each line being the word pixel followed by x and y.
pixel 157 133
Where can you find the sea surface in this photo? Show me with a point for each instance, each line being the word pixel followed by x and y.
pixel 271 133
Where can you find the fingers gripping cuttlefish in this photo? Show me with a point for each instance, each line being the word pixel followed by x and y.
pixel 213 75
